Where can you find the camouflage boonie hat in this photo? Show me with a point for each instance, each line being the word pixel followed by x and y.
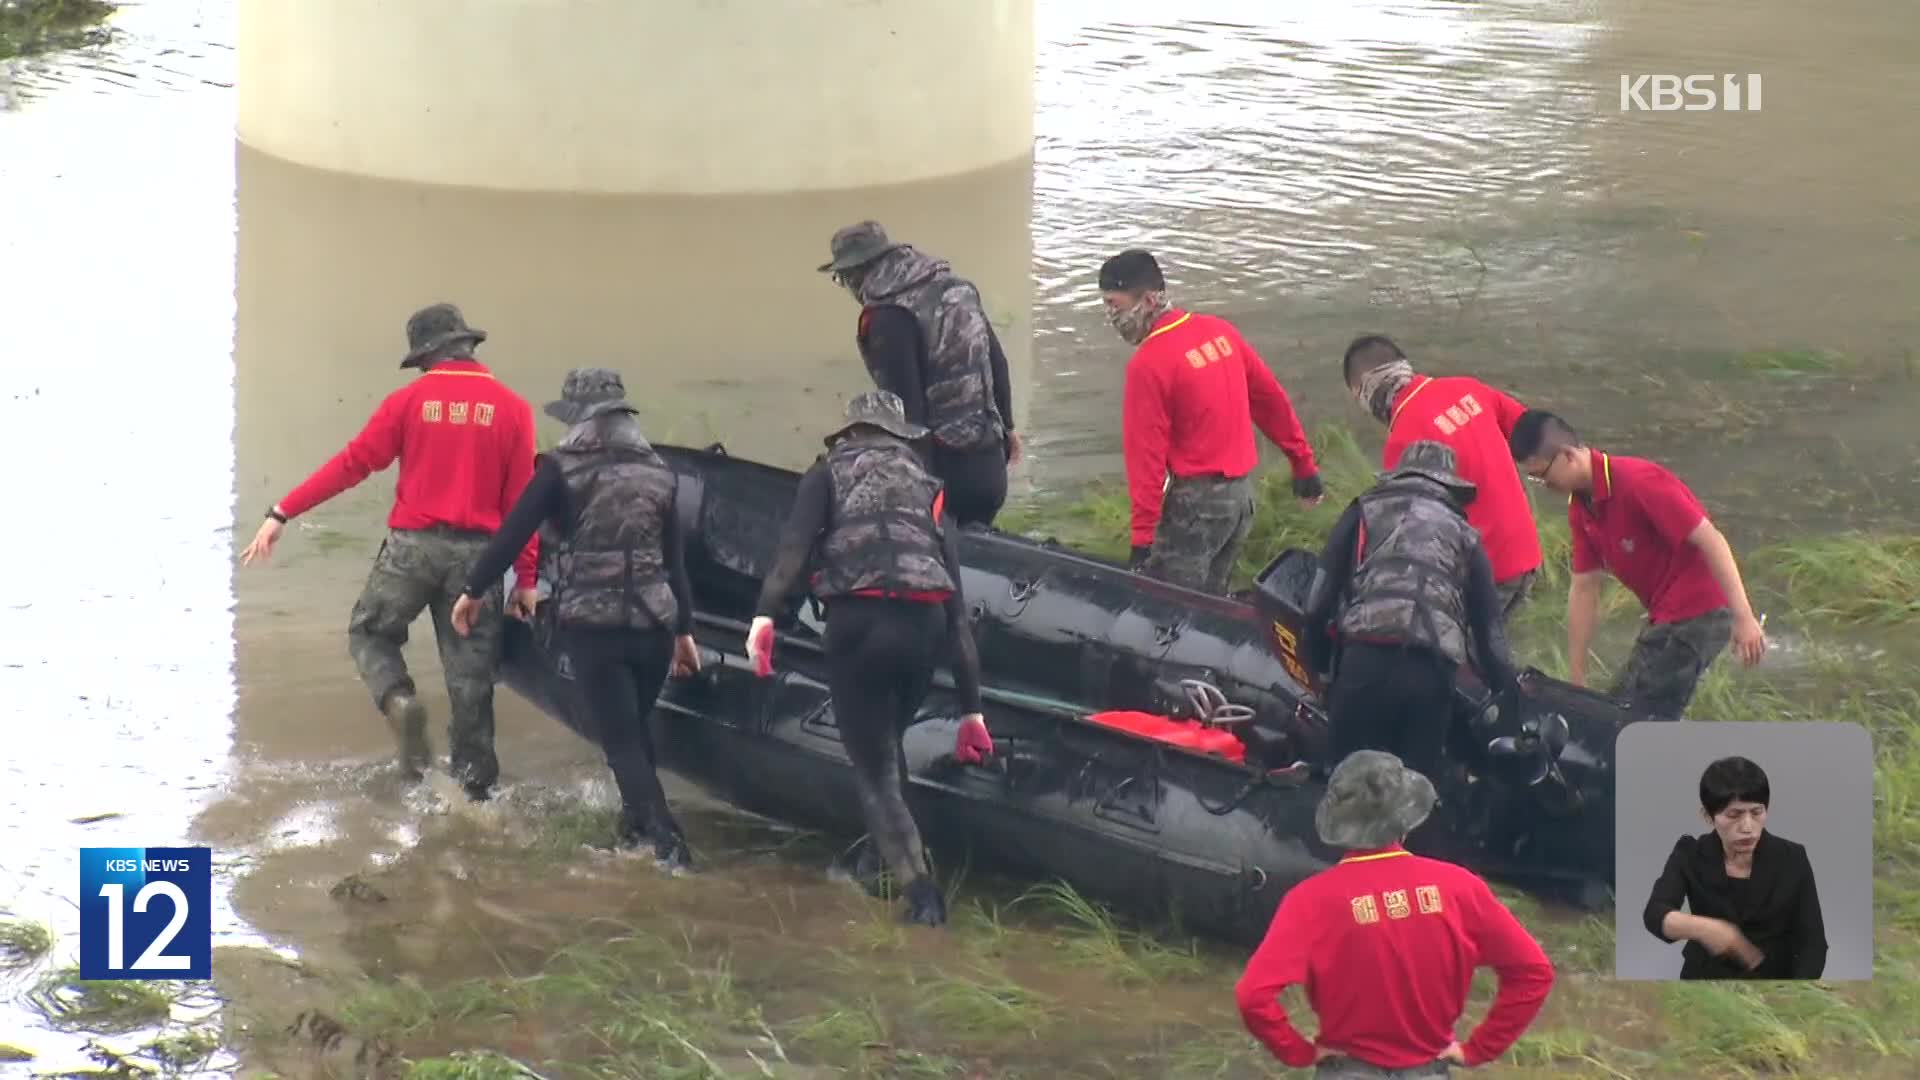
pixel 434 327
pixel 588 392
pixel 882 409
pixel 1372 800
pixel 857 245
pixel 1434 461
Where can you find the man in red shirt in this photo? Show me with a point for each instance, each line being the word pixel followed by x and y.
pixel 1473 420
pixel 1386 943
pixel 465 446
pixel 1634 519
pixel 1194 392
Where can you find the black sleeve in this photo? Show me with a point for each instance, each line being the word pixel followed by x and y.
pixel 1002 385
pixel 674 539
pixel 542 498
pixel 812 506
pixel 893 357
pixel 966 652
pixel 1669 890
pixel 1809 926
pixel 1487 627
pixel 1336 566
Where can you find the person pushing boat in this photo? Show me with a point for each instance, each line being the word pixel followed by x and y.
pixel 869 515
pixel 1403 596
pixel 925 337
pixel 622 603
pixel 1195 390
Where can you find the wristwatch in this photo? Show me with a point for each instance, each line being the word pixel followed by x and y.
pixel 274 513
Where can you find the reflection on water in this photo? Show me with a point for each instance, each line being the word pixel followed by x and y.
pixel 116 637
pixel 1456 174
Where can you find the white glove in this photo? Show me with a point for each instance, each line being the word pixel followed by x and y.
pixel 760 644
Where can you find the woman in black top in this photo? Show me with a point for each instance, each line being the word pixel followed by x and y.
pixel 1752 909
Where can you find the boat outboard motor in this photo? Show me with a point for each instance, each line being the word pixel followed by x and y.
pixel 1531 760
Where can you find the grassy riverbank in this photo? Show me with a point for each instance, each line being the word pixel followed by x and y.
pixel 509 952
pixel 28 27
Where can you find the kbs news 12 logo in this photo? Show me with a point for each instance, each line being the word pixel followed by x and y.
pixel 1689 93
pixel 145 913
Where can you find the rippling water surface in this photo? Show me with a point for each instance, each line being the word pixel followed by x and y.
pixel 189 328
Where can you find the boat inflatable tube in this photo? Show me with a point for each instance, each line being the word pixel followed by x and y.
pixel 1157 747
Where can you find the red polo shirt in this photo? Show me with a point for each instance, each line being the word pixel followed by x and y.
pixel 465 445
pixel 1634 524
pixel 1195 390
pixel 1474 420
pixel 1386 943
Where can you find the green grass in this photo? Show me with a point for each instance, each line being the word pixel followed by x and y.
pixel 695 981
pixel 37 26
pixel 23 942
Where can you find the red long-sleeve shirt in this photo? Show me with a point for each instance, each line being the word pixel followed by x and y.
pixel 1386 943
pixel 465 445
pixel 1474 420
pixel 1195 390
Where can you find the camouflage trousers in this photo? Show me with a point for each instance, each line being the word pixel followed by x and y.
pixel 1513 592
pixel 1204 521
pixel 426 569
pixel 1667 661
pixel 1346 1068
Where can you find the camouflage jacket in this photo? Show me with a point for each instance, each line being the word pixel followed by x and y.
pixel 882 533
pixel 611 569
pixel 953 326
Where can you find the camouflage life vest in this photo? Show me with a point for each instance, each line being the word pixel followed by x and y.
pixel 1410 574
pixel 610 571
pixel 882 533
pixel 961 409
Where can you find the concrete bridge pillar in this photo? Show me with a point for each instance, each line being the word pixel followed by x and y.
pixel 639 96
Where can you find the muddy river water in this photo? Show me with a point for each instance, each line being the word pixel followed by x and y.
pixel 188 327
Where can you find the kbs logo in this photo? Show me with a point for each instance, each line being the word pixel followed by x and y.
pixel 152 903
pixel 1689 93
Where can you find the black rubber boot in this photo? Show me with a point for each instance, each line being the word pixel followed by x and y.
pixel 926 904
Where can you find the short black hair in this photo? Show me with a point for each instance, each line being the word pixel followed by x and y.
pixel 1367 352
pixel 1538 433
pixel 1132 270
pixel 1731 780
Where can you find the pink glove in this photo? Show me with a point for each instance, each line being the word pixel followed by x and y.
pixel 972 744
pixel 760 645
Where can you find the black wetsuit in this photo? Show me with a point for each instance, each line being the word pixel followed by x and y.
pixel 617 673
pixel 881 654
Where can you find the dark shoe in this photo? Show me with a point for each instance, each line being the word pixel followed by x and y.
pixel 477 792
pixel 407 717
pixel 926 904
pixel 670 852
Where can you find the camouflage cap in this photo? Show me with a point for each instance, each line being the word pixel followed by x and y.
pixel 857 245
pixel 879 408
pixel 1433 461
pixel 434 327
pixel 588 392
pixel 1372 800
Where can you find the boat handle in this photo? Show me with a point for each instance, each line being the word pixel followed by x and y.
pixel 1020 590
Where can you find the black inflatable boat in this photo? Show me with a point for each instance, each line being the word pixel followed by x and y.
pixel 1156 747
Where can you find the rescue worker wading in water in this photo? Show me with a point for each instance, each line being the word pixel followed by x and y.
pixel 868 516
pixel 1405 595
pixel 924 337
pixel 622 603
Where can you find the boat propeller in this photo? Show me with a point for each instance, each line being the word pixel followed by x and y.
pixel 1531 760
